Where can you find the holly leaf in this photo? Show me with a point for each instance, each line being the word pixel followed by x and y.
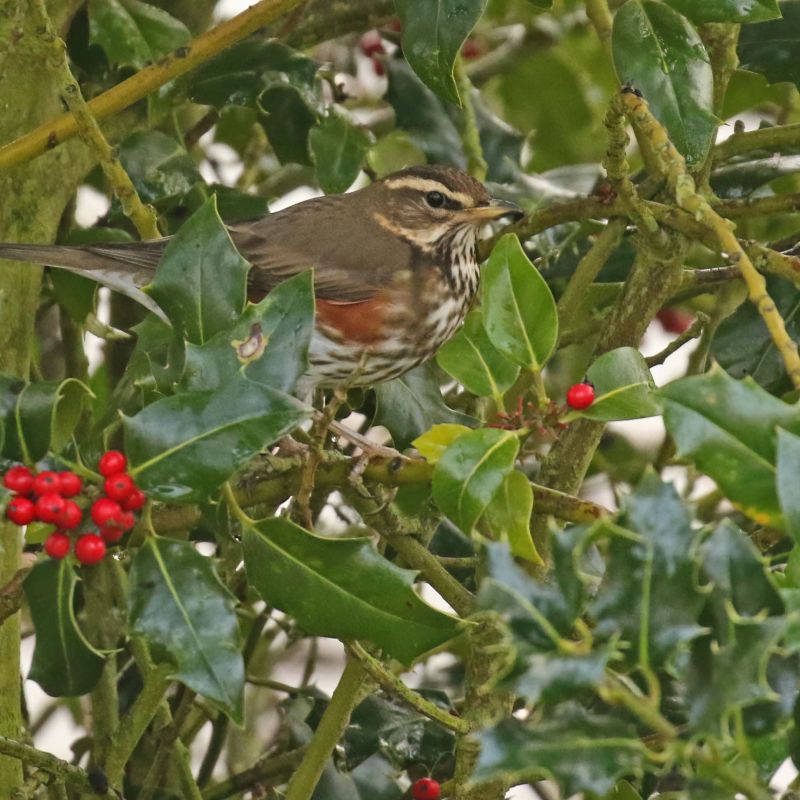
pixel 472 359
pixel 658 51
pixel 770 48
pixel 788 465
pixel 470 473
pixel 39 418
pixel 727 10
pixel 341 588
pixel 519 313
pixel 728 429
pixel 508 516
pixel 410 405
pixel 187 616
pixel 433 443
pixel 201 280
pixel 241 73
pixel 268 343
pixel 64 663
pixel 183 448
pixel 338 148
pixel 648 595
pixel 133 33
pixel 288 120
pixel 433 33
pixel 606 748
pixel 159 166
pixel 624 388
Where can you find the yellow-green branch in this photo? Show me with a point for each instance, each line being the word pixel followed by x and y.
pixel 673 166
pixel 147 80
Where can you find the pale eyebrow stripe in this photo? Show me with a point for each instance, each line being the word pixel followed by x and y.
pixel 425 185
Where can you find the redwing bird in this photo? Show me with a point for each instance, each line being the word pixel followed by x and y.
pixel 395 267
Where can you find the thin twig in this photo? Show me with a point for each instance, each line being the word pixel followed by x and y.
pixel 692 332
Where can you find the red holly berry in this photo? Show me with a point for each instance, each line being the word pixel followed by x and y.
pixel 371 43
pixel 46 482
pixel 90 548
pixel 675 320
pixel 19 480
pixel 128 520
pixel 119 487
pixel 580 396
pixel 377 67
pixel 20 510
pixel 112 532
pixel 57 545
pixel 70 484
pixel 111 463
pixel 105 510
pixel 134 501
pixel 426 789
pixel 70 516
pixel 49 506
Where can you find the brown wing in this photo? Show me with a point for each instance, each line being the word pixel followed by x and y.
pixel 353 257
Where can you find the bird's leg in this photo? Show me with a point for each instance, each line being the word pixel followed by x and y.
pixel 301 508
pixel 369 449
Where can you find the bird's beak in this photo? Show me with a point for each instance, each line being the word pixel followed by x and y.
pixel 495 209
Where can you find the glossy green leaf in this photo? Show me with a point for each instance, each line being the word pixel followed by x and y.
pixel 788 480
pixel 727 10
pixel 338 147
pixel 508 516
pixel 771 47
pixel 234 205
pixel 158 165
pixel 648 595
pixel 394 152
pixel 472 359
pixel 728 429
pixel 742 178
pixel 382 724
pixel 410 405
pixel 737 577
pixel 471 472
pixel 201 281
pixel 179 605
pixel 433 32
pixel 554 677
pixel 341 588
pixel 623 385
pixel 605 747
pixel 743 346
pixel 182 448
pixel 535 610
pixel 133 33
pixel 422 116
pixel 64 663
pixel 434 442
pixel 659 52
pixel 723 680
pixel 238 75
pixel 288 121
pixel 39 417
pixel 519 313
pixel 269 342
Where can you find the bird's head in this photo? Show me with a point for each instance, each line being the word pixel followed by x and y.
pixel 425 205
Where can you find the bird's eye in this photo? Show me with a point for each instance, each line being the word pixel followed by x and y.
pixel 434 199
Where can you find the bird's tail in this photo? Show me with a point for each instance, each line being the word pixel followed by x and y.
pixel 124 267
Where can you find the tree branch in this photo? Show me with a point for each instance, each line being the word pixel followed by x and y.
pixel 147 80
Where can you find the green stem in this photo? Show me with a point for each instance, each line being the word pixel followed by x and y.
pixel 470 136
pixel 263 770
pixel 25 754
pixel 391 683
pixel 136 721
pixel 353 687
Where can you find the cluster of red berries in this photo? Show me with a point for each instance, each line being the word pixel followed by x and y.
pixel 426 789
pixel 47 497
pixel 580 396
